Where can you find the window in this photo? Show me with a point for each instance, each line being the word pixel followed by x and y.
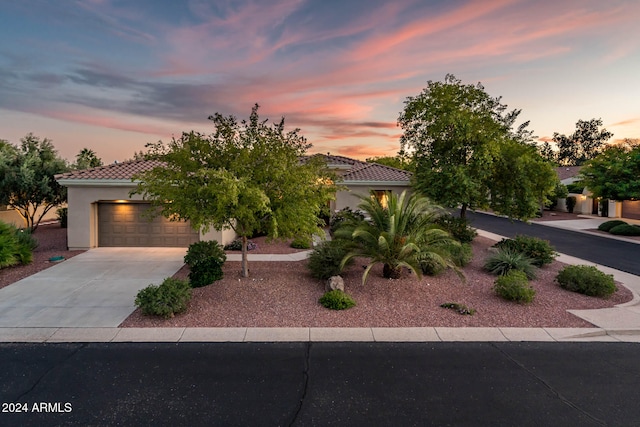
pixel 382 197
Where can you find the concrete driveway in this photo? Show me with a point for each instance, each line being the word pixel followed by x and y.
pixel 94 289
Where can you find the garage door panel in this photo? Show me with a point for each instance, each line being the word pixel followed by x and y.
pixel 631 209
pixel 124 224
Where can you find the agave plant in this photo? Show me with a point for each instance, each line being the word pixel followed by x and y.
pixel 396 234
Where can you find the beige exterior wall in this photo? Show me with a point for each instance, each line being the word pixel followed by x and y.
pixel 82 231
pixel 350 197
pixel 11 216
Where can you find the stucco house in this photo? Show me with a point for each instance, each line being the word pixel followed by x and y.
pixel 586 204
pixel 101 212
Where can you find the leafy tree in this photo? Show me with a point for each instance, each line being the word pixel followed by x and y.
pixel 614 174
pixel 585 143
pixel 398 162
pixel 248 176
pixel 396 235
pixel 463 141
pixel 86 159
pixel 27 178
pixel 522 183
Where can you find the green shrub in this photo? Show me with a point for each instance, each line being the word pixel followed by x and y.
pixel 325 259
pixel 345 216
pixel 16 246
pixel 301 243
pixel 539 251
pixel 575 188
pixel 205 260
pixel 514 286
pixel 608 225
pixel 236 245
pixel 62 216
pixel 462 254
pixel 571 203
pixel 625 230
pixel 586 280
pixel 458 227
pixel 505 260
pixel 166 300
pixel 460 308
pixel 336 300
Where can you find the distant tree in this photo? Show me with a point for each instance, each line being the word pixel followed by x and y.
pixel 398 162
pixel 249 176
pixel 86 159
pixel 614 174
pixel 547 152
pixel 584 144
pixel 27 178
pixel 461 138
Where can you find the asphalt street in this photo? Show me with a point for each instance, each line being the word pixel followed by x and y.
pixel 623 256
pixel 322 384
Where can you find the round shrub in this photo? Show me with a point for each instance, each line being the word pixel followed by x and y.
pixel 608 225
pixel 166 300
pixel 586 280
pixel 205 260
pixel 336 300
pixel 301 243
pixel 458 227
pixel 506 260
pixel 514 286
pixel 462 254
pixel 625 230
pixel 539 251
pixel 325 259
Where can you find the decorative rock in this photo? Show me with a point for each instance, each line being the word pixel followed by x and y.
pixel 333 283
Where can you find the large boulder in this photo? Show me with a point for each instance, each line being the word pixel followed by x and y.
pixel 333 283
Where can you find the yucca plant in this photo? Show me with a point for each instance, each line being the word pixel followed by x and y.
pixel 506 260
pixel 395 234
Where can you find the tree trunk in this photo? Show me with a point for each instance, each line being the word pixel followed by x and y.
pixel 245 261
pixel 463 210
pixel 391 272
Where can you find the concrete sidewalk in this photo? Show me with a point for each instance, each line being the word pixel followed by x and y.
pixel 587 224
pixel 617 324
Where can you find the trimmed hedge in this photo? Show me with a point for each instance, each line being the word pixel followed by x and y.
pixel 625 230
pixel 586 280
pixel 608 225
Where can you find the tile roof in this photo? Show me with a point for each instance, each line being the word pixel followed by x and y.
pixel 375 172
pixel 360 171
pixel 565 172
pixel 116 171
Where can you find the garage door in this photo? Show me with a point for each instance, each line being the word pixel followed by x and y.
pixel 123 224
pixel 631 209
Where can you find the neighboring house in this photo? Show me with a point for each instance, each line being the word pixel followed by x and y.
pixel 101 212
pixel 586 204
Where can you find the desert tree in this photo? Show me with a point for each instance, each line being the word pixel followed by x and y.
pixel 27 178
pixel 249 176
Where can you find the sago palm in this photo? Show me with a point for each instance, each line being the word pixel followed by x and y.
pixel 394 235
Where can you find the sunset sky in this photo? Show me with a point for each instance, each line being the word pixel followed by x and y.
pixel 113 75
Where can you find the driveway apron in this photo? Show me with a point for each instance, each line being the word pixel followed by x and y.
pixel 94 289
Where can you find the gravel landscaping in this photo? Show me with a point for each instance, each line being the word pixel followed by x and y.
pixel 283 294
pixel 52 241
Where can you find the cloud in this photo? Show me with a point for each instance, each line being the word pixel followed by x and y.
pixel 362 151
pixel 627 122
